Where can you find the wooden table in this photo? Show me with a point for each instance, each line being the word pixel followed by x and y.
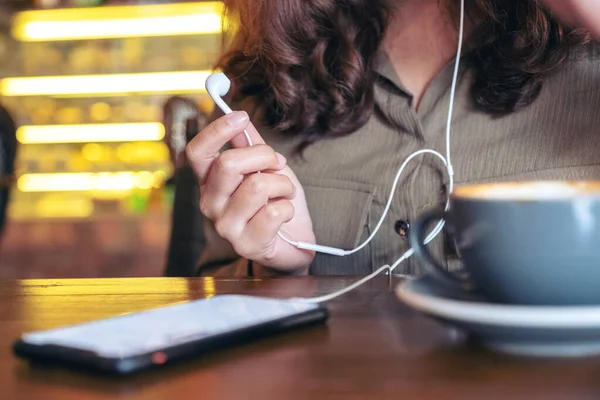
pixel 373 347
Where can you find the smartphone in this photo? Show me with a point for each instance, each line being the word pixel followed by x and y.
pixel 132 342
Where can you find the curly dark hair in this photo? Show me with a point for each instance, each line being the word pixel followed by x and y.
pixel 310 62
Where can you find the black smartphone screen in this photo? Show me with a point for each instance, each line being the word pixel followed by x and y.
pixel 140 340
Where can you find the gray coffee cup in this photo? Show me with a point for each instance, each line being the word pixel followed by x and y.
pixel 534 243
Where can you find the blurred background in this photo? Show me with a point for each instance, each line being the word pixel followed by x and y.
pixel 102 92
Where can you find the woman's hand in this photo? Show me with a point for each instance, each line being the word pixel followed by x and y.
pixel 246 207
pixel 585 13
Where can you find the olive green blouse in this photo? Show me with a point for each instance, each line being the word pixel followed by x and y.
pixel 347 180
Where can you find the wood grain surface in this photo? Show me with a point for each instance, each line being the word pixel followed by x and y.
pixel 372 347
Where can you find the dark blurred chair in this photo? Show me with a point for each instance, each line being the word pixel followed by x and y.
pixel 183 120
pixel 8 152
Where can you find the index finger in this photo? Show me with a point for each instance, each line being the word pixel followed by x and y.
pixel 204 148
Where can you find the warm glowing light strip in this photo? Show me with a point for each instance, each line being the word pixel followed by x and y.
pixel 129 132
pixel 158 82
pixel 86 181
pixel 118 21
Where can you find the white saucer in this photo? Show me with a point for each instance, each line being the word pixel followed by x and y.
pixel 564 331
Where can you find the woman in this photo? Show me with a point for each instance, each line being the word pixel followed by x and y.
pixel 342 92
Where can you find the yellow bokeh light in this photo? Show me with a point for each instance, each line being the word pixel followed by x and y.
pixel 159 178
pixel 119 21
pixel 52 207
pixel 88 181
pixel 145 180
pixel 127 132
pixel 113 84
pixel 100 111
pixel 92 152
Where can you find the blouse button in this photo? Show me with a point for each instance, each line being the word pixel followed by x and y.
pixel 402 227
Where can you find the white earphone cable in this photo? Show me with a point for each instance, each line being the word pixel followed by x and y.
pixel 461 31
pixel 438 228
pixel 387 206
pixel 248 139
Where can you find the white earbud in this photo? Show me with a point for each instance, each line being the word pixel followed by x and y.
pixel 217 86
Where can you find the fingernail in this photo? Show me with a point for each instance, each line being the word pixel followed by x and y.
pixel 282 160
pixel 237 118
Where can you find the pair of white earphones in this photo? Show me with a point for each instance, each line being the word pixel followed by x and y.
pixel 218 85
